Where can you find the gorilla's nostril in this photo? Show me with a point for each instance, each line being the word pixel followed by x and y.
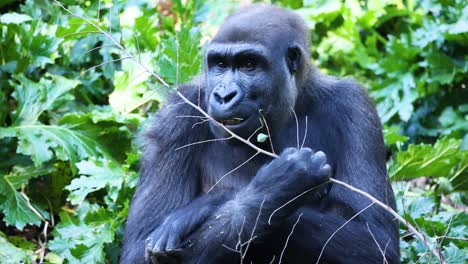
pixel 218 98
pixel 229 96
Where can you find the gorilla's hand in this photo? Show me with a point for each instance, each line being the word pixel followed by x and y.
pixel 293 172
pixel 166 243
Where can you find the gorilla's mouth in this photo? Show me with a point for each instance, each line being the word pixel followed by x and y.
pixel 232 121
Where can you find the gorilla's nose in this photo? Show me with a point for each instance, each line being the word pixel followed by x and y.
pixel 226 96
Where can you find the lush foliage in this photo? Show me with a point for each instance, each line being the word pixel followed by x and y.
pixel 71 102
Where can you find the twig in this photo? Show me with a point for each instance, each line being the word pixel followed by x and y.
pixel 269 134
pixel 297 127
pixel 305 133
pixel 101 64
pixel 99 47
pixel 289 236
pixel 254 227
pixel 339 228
pixel 397 216
pixel 377 243
pixel 203 141
pixel 231 171
pixel 292 200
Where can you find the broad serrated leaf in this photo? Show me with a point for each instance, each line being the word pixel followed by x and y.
pixel 131 90
pixel 41 142
pixel 455 255
pixel 13 255
pixel 81 240
pixel 99 174
pixel 16 209
pixel 425 160
pixel 180 59
pixel 392 136
pixel 34 98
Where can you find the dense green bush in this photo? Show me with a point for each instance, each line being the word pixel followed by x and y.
pixel 71 102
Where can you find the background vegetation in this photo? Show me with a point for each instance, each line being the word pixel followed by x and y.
pixel 71 102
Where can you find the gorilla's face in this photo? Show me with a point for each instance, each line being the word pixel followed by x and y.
pixel 247 82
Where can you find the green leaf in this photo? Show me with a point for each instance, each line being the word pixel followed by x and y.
pixel 81 240
pixel 131 90
pixel 261 137
pixel 180 59
pixel 13 255
pixel 41 142
pixel 99 174
pixel 455 255
pixel 392 136
pixel 15 207
pixel 425 160
pixel 34 98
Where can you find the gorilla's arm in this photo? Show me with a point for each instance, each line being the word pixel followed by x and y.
pixel 168 177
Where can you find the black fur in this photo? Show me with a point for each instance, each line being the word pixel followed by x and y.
pixel 258 66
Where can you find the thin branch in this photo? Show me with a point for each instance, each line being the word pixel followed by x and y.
pixel 385 249
pixel 255 227
pixel 231 171
pixel 256 130
pixel 273 259
pixel 293 199
pixel 305 133
pixel 203 141
pixel 377 243
pixel 269 134
pixel 110 18
pixel 201 122
pixel 297 126
pixel 137 47
pixel 111 38
pixel 397 216
pixel 99 47
pixel 99 65
pixel 79 33
pixel 289 236
pixel 190 116
pixel 339 228
pixel 98 11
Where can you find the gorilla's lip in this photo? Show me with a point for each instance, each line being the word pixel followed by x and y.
pixel 232 121
pixel 235 122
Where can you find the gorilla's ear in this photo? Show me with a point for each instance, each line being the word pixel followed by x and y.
pixel 294 59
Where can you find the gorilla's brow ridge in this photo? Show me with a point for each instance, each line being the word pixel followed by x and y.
pixel 234 49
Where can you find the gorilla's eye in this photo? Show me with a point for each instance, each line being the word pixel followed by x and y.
pixel 221 65
pixel 248 65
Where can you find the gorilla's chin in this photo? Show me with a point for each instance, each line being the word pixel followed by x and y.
pixel 243 127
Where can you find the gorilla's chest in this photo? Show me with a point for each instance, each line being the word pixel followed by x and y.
pixel 229 167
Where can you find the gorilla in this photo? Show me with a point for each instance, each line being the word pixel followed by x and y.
pixel 206 197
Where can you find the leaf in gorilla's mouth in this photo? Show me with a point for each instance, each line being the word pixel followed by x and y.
pixel 232 121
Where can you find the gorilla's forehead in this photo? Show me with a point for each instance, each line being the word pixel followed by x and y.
pixel 232 49
pixel 267 34
pixel 269 26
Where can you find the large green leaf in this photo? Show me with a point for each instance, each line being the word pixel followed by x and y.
pixel 81 238
pixel 13 255
pixel 43 142
pixel 425 160
pixel 16 207
pixel 34 98
pixel 96 174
